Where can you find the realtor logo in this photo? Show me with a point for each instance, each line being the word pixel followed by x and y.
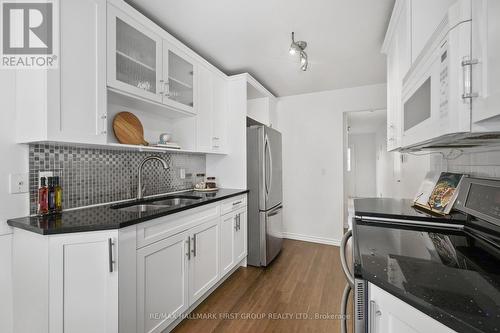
pixel 28 35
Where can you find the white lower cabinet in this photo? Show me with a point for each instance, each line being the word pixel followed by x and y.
pixel 204 259
pixel 240 236
pixel 389 314
pixel 65 283
pixel 227 232
pixel 233 234
pixel 69 283
pixel 162 288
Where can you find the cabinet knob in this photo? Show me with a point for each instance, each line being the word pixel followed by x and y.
pixel 104 132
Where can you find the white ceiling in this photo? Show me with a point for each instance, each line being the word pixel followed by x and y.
pixel 344 38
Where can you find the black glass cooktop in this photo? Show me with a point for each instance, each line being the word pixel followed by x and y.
pixel 451 275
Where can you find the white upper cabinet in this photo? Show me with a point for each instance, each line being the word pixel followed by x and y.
pixel 398 49
pixel 143 63
pixel 178 79
pixel 134 57
pixel 486 51
pixel 443 66
pixel 212 112
pixel 68 104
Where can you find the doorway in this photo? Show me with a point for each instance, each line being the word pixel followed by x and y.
pixel 367 165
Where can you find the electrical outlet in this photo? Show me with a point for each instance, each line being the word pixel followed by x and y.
pixel 183 173
pixel 45 174
pixel 19 183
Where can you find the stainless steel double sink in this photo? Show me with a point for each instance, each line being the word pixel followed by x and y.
pixel 160 203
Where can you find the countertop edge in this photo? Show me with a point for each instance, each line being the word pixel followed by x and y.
pixel 15 223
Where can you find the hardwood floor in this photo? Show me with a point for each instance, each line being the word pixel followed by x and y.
pixel 305 280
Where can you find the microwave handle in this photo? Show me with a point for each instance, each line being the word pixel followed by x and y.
pixel 467 64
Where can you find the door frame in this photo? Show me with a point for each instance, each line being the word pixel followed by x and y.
pixel 342 175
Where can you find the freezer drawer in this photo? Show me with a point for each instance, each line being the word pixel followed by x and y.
pixel 272 237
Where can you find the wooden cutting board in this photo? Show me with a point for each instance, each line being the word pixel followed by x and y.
pixel 128 129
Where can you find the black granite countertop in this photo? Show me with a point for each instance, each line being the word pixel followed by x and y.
pixel 452 275
pixel 400 209
pixel 106 218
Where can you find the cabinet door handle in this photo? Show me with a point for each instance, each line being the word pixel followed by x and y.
pixel 189 248
pixel 239 221
pixel 373 314
pixel 110 254
pixel 235 223
pixel 467 78
pixel 162 87
pixel 194 245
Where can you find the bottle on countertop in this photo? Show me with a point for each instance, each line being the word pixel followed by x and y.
pixel 43 197
pixel 51 195
pixel 57 195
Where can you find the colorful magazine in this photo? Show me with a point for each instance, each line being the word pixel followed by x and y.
pixel 443 195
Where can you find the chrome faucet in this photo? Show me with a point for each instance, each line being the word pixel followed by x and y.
pixel 140 190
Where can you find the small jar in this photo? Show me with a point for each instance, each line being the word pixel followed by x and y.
pixel 200 181
pixel 210 183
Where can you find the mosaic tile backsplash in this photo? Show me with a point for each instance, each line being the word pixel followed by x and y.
pixel 92 176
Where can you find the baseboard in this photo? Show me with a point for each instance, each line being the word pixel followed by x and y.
pixel 312 239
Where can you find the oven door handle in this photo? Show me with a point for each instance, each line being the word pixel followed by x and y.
pixel 343 260
pixel 343 308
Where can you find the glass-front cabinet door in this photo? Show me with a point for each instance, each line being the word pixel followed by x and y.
pixel 179 79
pixel 134 57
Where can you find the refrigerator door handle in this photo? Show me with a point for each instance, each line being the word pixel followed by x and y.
pixel 275 211
pixel 267 149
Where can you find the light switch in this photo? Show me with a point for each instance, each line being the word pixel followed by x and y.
pixel 19 183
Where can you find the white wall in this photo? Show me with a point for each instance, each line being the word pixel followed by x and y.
pixel 386 179
pixel 15 160
pixel 312 128
pixel 258 109
pixel 477 164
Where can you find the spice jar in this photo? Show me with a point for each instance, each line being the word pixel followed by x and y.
pixel 210 183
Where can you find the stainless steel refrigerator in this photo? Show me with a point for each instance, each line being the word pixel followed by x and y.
pixel 265 199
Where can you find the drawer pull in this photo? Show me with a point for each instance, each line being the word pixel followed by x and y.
pixel 110 254
pixel 237 203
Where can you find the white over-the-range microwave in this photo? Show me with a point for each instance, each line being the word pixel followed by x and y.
pixel 451 95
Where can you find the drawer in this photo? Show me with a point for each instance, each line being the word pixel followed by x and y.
pixel 163 227
pixel 233 204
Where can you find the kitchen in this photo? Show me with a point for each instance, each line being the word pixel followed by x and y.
pixel 158 132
